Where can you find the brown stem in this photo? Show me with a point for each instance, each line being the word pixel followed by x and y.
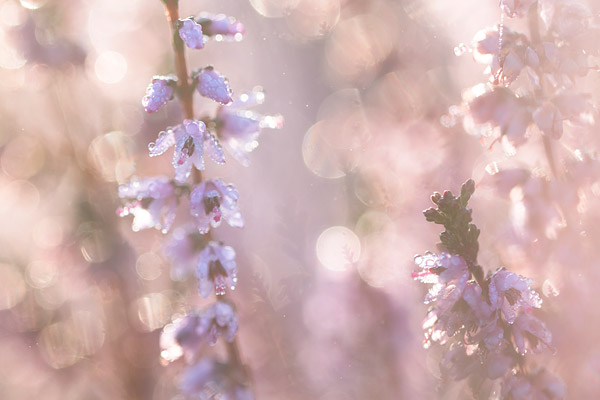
pixel 183 81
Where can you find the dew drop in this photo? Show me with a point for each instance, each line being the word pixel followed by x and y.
pixel 460 49
pixel 151 146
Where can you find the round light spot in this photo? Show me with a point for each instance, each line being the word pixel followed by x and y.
pixel 153 311
pixel 33 4
pixel 319 156
pixel 338 248
pixel 148 266
pixel 274 8
pixel 110 67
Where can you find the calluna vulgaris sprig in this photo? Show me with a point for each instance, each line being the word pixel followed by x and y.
pixel 154 202
pixel 484 321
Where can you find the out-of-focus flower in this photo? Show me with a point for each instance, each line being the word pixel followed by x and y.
pixel 220 24
pixel 218 319
pixel 500 108
pixel 213 200
pixel 549 119
pixel 216 268
pixel 511 293
pixel 515 8
pixel 460 363
pixel 528 328
pixel 151 201
pixel 182 251
pixel 210 375
pixel 59 53
pixel 191 140
pixel 187 335
pixel 159 92
pixel 181 338
pixel 538 384
pixel 239 128
pixel 191 33
pixel 213 85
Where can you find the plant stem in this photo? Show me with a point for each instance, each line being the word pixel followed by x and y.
pixel 534 34
pixel 183 83
pixel 187 103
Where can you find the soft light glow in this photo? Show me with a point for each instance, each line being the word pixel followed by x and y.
pixel 110 67
pixel 338 248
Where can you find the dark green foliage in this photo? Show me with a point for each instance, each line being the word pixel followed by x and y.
pixel 460 235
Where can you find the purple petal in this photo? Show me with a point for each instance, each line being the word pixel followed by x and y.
pixel 214 86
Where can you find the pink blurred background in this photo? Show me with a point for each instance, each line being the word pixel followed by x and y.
pixel 332 202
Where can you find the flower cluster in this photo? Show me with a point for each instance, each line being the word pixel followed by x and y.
pixel 533 77
pixel 486 320
pixel 154 202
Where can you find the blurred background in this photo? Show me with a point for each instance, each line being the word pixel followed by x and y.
pixel 332 202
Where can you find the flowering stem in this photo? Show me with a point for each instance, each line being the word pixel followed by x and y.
pixel 187 103
pixel 185 92
pixel 534 33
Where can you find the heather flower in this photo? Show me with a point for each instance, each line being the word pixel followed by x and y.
pixel 458 308
pixel 216 268
pixel 191 33
pixel 187 335
pixel 218 319
pixel 221 26
pixel 459 363
pixel 213 200
pixel 191 140
pixel 239 128
pixel 538 384
pixel 529 333
pixel 511 293
pixel 499 108
pixel 181 338
pixel 213 85
pixel 183 249
pixel 151 201
pixel 515 8
pixel 448 273
pixel 208 376
pixel 159 92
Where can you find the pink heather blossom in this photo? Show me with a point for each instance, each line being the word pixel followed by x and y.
pixel 221 24
pixel 216 269
pixel 191 140
pixel 529 333
pixel 187 335
pixel 515 8
pixel 183 249
pixel 239 129
pixel 512 293
pixel 213 85
pixel 181 338
pixel 218 319
pixel 151 201
pixel 499 108
pixel 448 273
pixel 191 33
pixel 213 200
pixel 159 92
pixel 210 375
pixel 460 362
pixel 538 384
